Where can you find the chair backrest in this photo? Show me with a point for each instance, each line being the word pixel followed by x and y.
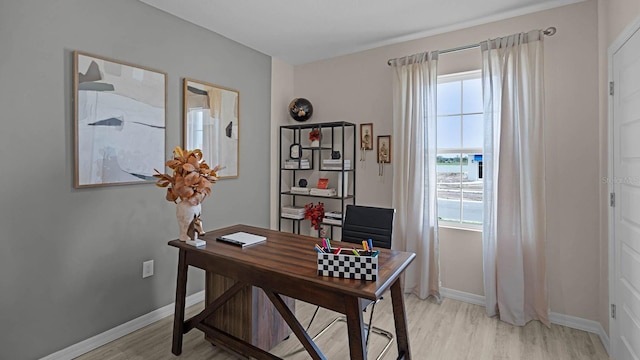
pixel 366 222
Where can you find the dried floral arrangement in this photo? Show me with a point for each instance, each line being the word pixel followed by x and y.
pixel 314 134
pixel 191 179
pixel 315 213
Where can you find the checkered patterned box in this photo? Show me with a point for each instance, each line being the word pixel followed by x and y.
pixel 348 266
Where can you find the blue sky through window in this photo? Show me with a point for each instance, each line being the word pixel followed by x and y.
pixel 460 114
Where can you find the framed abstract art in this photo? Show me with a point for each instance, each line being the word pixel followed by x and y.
pixel 211 121
pixel 119 121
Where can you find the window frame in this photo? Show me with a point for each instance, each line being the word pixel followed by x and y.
pixel 460 76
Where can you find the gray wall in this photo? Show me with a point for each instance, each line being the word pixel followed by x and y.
pixel 71 259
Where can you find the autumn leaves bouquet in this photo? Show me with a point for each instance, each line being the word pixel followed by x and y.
pixel 315 213
pixel 191 179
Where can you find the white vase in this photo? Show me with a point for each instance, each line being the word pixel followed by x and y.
pixel 313 232
pixel 185 213
pixel 315 143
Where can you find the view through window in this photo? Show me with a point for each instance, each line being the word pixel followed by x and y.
pixel 460 143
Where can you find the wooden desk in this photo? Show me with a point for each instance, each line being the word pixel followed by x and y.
pixel 286 265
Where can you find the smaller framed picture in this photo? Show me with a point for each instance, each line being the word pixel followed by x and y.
pixel 211 121
pixel 366 136
pixel 384 149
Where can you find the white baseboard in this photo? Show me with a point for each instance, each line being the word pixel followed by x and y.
pixel 119 331
pixel 555 318
pixel 581 324
pixel 462 296
pixel 605 339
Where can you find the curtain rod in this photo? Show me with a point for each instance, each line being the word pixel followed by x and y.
pixel 550 31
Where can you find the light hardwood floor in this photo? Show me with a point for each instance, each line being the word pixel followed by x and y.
pixel 452 330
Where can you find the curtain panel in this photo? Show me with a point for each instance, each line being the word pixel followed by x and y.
pixel 514 227
pixel 414 181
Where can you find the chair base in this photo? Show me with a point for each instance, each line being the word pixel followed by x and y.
pixel 373 329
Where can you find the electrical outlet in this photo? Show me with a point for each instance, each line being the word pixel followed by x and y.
pixel 147 268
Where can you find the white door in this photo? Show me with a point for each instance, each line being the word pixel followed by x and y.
pixel 625 330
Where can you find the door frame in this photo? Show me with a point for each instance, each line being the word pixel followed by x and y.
pixel 621 40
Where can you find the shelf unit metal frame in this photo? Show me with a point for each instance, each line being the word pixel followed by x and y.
pixel 295 131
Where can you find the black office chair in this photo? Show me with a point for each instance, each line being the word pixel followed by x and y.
pixel 362 223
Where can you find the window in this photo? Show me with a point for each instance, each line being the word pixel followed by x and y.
pixel 460 141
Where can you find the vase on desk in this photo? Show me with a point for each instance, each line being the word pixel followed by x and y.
pixel 186 212
pixel 321 232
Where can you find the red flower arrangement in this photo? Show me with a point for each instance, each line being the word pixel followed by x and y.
pixel 314 135
pixel 315 213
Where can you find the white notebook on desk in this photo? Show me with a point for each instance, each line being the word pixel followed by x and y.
pixel 242 239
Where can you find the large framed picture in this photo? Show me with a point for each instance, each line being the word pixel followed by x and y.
pixel 211 122
pixel 119 121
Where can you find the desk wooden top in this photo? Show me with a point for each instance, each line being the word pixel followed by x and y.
pixel 285 257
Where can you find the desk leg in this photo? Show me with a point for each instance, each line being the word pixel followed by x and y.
pixel 181 294
pixel 295 325
pixel 400 318
pixel 355 327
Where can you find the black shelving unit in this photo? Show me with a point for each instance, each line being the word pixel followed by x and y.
pixel 336 136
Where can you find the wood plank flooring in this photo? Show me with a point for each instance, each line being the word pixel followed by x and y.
pixel 452 330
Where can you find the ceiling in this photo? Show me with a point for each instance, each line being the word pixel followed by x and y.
pixel 302 31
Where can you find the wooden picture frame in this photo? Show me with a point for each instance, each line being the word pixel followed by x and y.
pixel 119 121
pixel 384 149
pixel 366 136
pixel 211 123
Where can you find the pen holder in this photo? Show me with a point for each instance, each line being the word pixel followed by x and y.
pixel 348 266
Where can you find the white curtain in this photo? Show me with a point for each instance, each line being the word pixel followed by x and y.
pixel 514 230
pixel 414 180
